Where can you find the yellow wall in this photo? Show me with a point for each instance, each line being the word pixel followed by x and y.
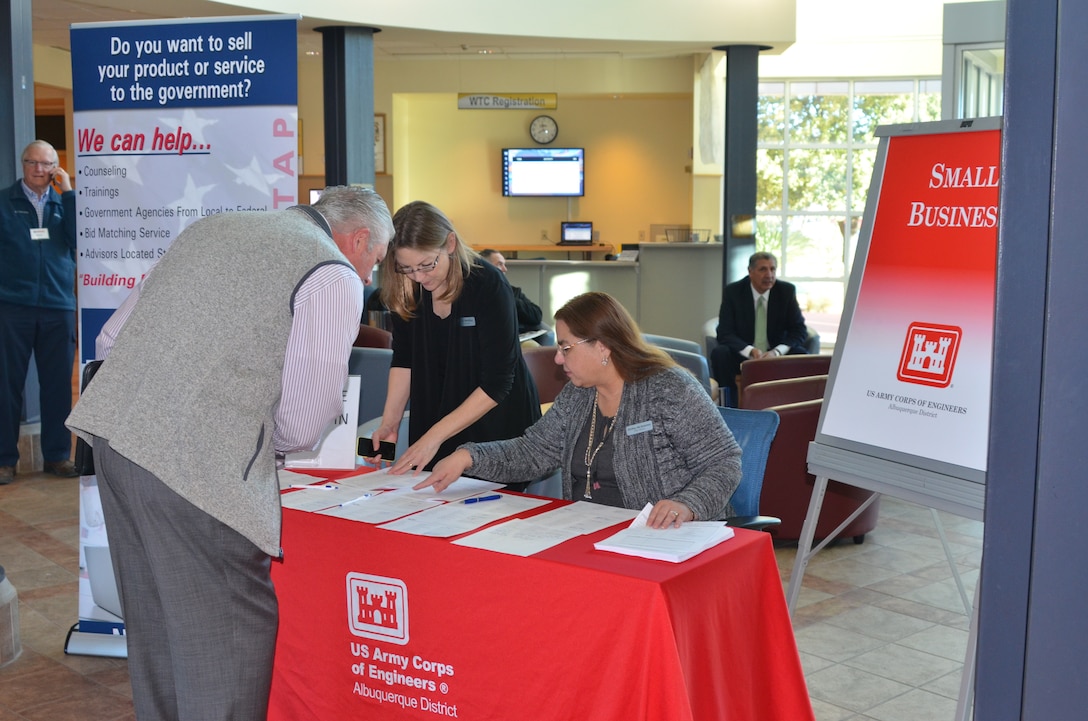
pixel 637 158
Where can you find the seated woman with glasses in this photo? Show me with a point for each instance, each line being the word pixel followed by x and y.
pixel 630 428
pixel 456 353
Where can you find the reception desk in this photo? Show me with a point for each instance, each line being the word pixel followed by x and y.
pixel 672 289
pixel 569 633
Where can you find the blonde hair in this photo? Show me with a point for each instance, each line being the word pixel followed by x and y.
pixel 422 227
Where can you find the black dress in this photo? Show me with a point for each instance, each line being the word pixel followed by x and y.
pixel 475 347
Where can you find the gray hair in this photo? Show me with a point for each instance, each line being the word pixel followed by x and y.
pixel 761 255
pixel 41 144
pixel 350 207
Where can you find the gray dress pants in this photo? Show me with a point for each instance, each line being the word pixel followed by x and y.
pixel 200 611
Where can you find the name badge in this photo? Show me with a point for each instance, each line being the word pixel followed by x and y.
pixel 468 322
pixel 39 233
pixel 636 428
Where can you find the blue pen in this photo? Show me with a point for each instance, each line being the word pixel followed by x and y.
pixel 323 487
pixel 479 499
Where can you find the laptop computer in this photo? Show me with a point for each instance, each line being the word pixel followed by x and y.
pixel 576 233
pixel 103 583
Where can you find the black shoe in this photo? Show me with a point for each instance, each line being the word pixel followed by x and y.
pixel 64 469
pixel 7 475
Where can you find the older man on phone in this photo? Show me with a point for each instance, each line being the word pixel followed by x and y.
pixel 37 305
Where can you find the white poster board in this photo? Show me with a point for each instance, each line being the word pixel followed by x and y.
pixel 173 121
pixel 908 399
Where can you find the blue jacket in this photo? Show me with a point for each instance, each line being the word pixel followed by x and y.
pixel 38 273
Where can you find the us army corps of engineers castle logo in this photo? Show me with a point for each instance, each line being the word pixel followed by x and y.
pixel 378 607
pixel 929 354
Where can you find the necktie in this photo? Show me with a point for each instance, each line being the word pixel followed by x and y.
pixel 761 324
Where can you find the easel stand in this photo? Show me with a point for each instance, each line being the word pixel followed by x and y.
pixel 805 553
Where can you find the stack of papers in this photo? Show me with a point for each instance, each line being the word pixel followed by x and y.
pixel 665 544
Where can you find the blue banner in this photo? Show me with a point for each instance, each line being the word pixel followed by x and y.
pixel 184 63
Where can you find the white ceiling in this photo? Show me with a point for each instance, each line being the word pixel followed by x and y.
pixel 51 20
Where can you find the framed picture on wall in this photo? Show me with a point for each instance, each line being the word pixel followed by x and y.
pixel 379 143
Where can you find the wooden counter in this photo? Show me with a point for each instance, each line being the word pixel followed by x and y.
pixel 511 250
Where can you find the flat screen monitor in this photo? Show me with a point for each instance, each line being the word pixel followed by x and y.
pixel 576 233
pixel 543 172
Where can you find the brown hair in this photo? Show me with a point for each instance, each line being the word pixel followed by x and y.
pixel 601 317
pixel 423 227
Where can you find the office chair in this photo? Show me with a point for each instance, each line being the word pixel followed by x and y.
pixel 694 362
pixel 372 364
pixel 371 337
pixel 754 431
pixel 665 342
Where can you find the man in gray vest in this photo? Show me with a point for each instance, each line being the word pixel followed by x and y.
pixel 232 351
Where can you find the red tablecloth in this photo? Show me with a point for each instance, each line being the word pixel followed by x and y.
pixel 570 633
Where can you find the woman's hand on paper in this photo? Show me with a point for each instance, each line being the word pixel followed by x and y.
pixel 669 514
pixel 446 471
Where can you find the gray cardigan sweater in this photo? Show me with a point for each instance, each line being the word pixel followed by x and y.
pixel 670 442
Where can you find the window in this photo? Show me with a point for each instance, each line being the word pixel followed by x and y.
pixel 815 160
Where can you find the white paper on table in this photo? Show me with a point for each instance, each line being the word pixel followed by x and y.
pixel 451 519
pixel 373 481
pixel 583 517
pixel 518 537
pixel 665 544
pixel 290 478
pixel 459 490
pixel 315 499
pixel 378 508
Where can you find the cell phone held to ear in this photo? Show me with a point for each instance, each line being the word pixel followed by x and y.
pixel 386 450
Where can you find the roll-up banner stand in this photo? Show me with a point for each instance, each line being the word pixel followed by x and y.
pixel 174 121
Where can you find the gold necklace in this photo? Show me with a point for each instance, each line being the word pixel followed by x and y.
pixel 591 457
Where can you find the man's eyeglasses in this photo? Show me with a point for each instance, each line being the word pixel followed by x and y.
pixel 421 268
pixel 566 349
pixel 44 164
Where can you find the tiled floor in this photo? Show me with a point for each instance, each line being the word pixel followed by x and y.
pixel 880 626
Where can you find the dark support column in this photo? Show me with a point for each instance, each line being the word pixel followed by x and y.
pixel 1032 631
pixel 16 87
pixel 741 95
pixel 348 62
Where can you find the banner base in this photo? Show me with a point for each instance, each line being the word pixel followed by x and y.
pixel 85 642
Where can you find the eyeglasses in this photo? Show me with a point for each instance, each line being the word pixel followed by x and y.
pixel 44 164
pixel 421 268
pixel 566 349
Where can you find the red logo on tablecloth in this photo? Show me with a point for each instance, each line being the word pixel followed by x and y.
pixel 929 354
pixel 378 607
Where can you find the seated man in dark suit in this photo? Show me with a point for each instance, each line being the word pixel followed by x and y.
pixel 740 338
pixel 529 313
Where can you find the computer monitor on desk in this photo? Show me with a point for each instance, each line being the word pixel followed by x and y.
pixel 576 233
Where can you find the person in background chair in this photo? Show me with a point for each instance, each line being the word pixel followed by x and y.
pixel 456 355
pixel 37 306
pixel 232 350
pixel 529 313
pixel 747 330
pixel 630 428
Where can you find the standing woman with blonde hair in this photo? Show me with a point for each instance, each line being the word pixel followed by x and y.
pixel 456 353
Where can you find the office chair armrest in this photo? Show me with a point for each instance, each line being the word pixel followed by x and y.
pixel 753 523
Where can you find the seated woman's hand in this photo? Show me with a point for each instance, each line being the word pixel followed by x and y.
pixel 446 471
pixel 666 514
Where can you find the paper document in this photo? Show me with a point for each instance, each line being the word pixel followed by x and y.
pixel 378 507
pixel 452 519
pixel 583 517
pixel 518 537
pixel 665 544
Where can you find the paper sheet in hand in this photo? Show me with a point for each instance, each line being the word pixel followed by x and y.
pixel 665 544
